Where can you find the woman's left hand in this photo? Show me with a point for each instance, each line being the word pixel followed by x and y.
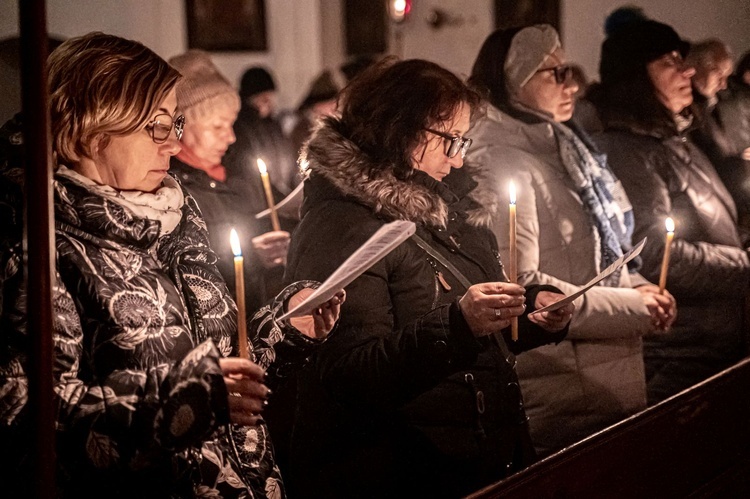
pixel 318 324
pixel 555 320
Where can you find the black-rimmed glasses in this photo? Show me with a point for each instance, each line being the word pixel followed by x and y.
pixel 562 73
pixel 161 126
pixel 454 143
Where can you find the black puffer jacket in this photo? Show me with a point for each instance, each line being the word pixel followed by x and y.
pixel 403 400
pixel 140 322
pixel 665 174
pixel 226 206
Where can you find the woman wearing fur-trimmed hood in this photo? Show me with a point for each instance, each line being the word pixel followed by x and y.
pixel 416 393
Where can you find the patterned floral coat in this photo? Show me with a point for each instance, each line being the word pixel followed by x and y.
pixel 140 322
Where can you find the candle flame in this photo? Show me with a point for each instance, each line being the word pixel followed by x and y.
pixel 262 166
pixel 669 223
pixel 512 192
pixel 234 241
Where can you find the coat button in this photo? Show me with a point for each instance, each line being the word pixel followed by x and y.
pixel 441 346
pixel 213 185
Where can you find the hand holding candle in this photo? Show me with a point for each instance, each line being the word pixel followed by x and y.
pixel 239 276
pixel 269 195
pixel 513 262
pixel 665 260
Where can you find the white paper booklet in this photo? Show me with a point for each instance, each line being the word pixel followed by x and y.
pixel 605 273
pixel 288 207
pixel 379 245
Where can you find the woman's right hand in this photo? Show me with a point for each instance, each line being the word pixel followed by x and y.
pixel 248 396
pixel 489 306
pixel 272 248
pixel 662 307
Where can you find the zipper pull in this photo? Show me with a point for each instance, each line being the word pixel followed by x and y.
pixel 443 282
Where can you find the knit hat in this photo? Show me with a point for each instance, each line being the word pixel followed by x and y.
pixel 202 86
pixel 254 81
pixel 528 50
pixel 323 88
pixel 629 49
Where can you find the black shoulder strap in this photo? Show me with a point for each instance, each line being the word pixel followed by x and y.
pixel 440 258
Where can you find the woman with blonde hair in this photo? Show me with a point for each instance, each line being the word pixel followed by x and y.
pixel 152 398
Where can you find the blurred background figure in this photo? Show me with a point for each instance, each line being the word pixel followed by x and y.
pixel 645 104
pixel 10 75
pixel 712 61
pixel 259 135
pixel 319 102
pixel 734 109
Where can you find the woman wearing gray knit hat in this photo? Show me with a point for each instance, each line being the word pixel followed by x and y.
pixel 573 221
pixel 210 106
pixel 645 103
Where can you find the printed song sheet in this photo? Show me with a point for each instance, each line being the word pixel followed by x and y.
pixel 379 245
pixel 593 282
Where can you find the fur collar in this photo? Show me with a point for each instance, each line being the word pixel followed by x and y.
pixel 329 154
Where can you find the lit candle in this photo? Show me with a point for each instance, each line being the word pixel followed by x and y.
pixel 513 263
pixel 239 279
pixel 669 223
pixel 269 195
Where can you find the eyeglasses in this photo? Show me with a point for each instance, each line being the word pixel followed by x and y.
pixel 562 73
pixel 454 143
pixel 161 126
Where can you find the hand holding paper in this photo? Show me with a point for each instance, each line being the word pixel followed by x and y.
pixel 379 245
pixel 593 282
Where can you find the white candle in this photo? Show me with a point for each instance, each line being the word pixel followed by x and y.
pixel 513 261
pixel 669 223
pixel 269 195
pixel 239 279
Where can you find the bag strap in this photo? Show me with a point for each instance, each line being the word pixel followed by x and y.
pixel 440 258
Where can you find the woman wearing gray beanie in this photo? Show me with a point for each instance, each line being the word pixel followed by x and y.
pixel 645 102
pixel 573 221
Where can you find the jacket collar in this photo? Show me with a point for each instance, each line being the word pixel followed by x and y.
pixel 420 198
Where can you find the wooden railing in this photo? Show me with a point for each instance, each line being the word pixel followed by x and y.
pixel 695 444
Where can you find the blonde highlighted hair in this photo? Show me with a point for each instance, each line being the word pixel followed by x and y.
pixel 102 85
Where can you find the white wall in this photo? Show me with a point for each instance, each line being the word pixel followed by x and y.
pixel 305 35
pixel 294 34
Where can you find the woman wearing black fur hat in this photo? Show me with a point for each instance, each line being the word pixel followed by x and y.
pixel 644 100
pixel 416 394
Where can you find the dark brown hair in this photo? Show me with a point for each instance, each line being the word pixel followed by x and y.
pixel 386 109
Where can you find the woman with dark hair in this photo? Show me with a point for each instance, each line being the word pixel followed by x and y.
pixel 573 221
pixel 644 99
pixel 152 399
pixel 416 393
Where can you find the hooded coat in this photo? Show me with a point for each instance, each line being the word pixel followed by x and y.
pixel 140 321
pixel 403 400
pixel 595 377
pixel 666 175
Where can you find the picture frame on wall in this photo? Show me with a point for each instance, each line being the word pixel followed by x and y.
pixel 226 25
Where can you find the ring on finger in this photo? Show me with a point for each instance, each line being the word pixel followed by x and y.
pixel 499 312
pixel 235 394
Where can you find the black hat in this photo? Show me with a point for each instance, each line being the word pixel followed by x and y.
pixel 323 88
pixel 254 81
pixel 627 51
